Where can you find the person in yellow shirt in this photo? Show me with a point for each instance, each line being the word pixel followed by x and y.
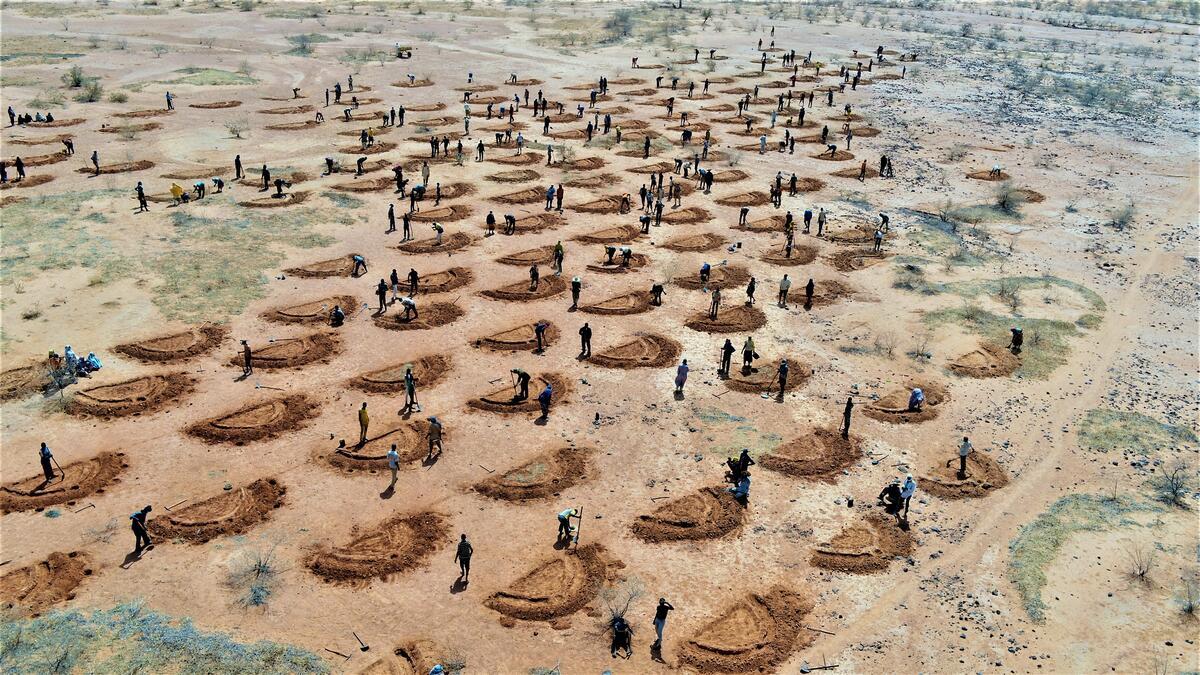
pixel 363 421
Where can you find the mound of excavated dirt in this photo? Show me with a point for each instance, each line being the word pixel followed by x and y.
pixel 763 377
pixel 557 587
pixel 444 281
pixel 139 395
pixel 24 381
pixel 853 260
pixel 696 242
pixel 768 224
pixel 315 311
pixel 986 360
pixel 731 176
pixel 983 475
pixel 33 589
pixel 121 167
pixel 84 478
pixel 416 657
pixel 131 128
pixel 427 370
pixel 230 512
pixel 44 160
pixel 518 338
pixel 27 182
pixel 288 110
pixel 543 255
pixel 1031 196
pixel 634 302
pixel 503 399
pixel 839 156
pixel 292 126
pixel 518 160
pixel 724 278
pixel 685 216
pixel 802 254
pixel 429 315
pixel 656 167
pixel 215 105
pixel 830 291
pixel 258 420
pixel 644 350
pixel 582 164
pixel 987 175
pixel 537 223
pixel 617 266
pixel 606 204
pixel 57 123
pixel 853 172
pixel 866 546
pixel 371 457
pixel 292 352
pixel 334 267
pixel 611 235
pixel 379 147
pixel 532 195
pixel 519 291
pixel 821 454
pixel 893 407
pixel 515 176
pixel 394 546
pixel 707 514
pixel 272 202
pixel 755 633
pixel 734 319
pixel 442 214
pixel 546 475
pixel 450 242
pixel 861 233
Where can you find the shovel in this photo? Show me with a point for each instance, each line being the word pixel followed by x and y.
pixel 362 647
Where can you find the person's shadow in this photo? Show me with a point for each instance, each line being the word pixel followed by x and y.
pixel 134 556
pixel 808 305
pixel 679 396
pixel 460 584
pixel 389 492
pixel 430 460
pixel 542 421
pixel 656 653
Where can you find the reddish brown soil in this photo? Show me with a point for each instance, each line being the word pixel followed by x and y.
pixel 893 407
pixel 334 267
pixel 450 242
pixel 854 260
pixel 291 352
pixel 544 476
pixel 854 171
pixel 710 513
pixel 57 123
pixel 122 167
pixel 379 147
pixel 44 160
pixel 258 420
pixel 518 160
pixel 84 478
pixel 542 255
pixel 419 82
pixel 144 113
pixel 415 657
pixel 656 167
pixel 643 350
pixel 703 241
pixel 394 546
pixel 1031 196
pixel 136 396
pixel 830 291
pixel 380 184
pixel 191 174
pixel 768 224
pixel 531 195
pixel 502 400
pixel 987 175
pixel 724 278
pixel 754 634
pixel 607 204
pixel 24 381
pixel 41 140
pixel 802 254
pixel 427 370
pixel 688 215
pixel 983 475
pixel 866 546
pixel 821 455
pixel 515 176
pixel 444 281
pixel 215 105
pixel 611 235
pixel 442 214
pixel 518 338
pixel 288 199
pixel 314 311
pixel 600 180
pixel 582 164
pixel 745 199
pixel 634 302
pixel 429 315
pixel 27 182
pixel 31 590
pixel 861 233
pixel 371 457
pixel 293 126
pixel 865 132
pixel 548 287
pixel 986 360
pixel 762 378
pixel 557 587
pixel 636 261
pixel 145 126
pixel 839 156
pixel 735 319
pixel 231 512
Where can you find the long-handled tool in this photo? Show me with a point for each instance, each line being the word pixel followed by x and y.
pixel 767 393
pixel 64 473
pixel 362 646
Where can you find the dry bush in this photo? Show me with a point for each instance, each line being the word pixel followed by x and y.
pixel 1140 560
pixel 1173 483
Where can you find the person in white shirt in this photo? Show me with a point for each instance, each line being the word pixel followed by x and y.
pixel 963 450
pixel 784 285
pixel 393 459
pixel 906 492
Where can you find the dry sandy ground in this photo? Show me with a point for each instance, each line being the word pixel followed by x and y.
pixel 948 602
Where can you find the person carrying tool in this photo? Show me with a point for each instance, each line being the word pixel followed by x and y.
pixel 521 383
pixel 564 523
pixel 46 458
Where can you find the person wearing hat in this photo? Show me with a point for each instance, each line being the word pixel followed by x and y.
pixel 564 522
pixel 576 286
pixel 906 492
pixel 435 436
pixel 1018 338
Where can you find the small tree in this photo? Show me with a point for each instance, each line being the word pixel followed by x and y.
pixel 1173 483
pixel 1141 560
pixel 1008 197
pixel 74 77
pixel 92 92
pixel 1122 217
pixel 620 24
pixel 237 127
pixel 159 50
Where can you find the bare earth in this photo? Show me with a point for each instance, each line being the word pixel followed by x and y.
pixel 1090 246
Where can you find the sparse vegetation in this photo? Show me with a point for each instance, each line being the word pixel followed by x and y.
pixel 118 97
pixel 1122 217
pixel 74 78
pixel 253 577
pixel 1139 560
pixel 1174 483
pixel 237 127
pixel 1115 430
pixel 1008 197
pixel 159 50
pixel 90 93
